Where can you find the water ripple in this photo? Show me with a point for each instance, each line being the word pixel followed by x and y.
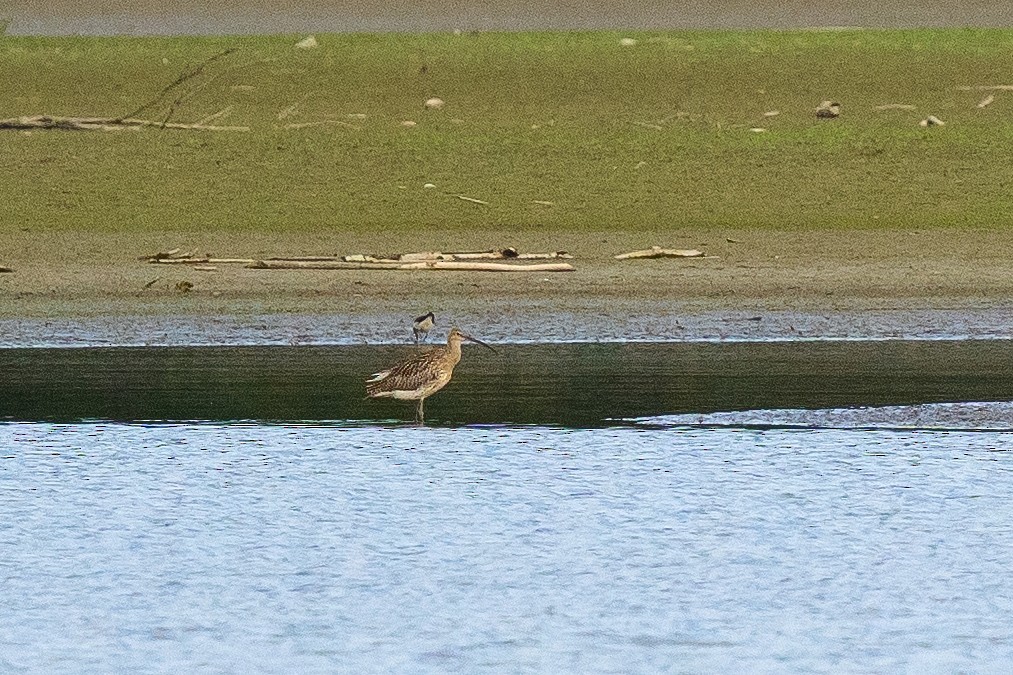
pixel 222 547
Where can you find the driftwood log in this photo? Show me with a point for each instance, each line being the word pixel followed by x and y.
pixel 658 252
pixel 201 261
pixel 502 254
pixel 447 265
pixel 358 261
pixel 101 124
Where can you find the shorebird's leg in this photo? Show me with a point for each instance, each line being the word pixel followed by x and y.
pixel 419 415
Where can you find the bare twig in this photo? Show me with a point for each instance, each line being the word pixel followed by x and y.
pixel 215 116
pixel 184 76
pixel 306 125
pixel 209 81
pixel 988 87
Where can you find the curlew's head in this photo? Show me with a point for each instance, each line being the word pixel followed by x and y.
pixel 457 336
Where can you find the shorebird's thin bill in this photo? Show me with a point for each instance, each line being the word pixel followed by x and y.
pixel 473 339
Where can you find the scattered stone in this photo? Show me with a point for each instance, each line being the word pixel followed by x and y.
pixel 184 287
pixel 757 130
pixel 932 121
pixel 307 43
pixel 435 104
pixel 985 102
pixel 429 186
pixel 828 110
pixel 408 123
pixel 628 42
pixel 772 113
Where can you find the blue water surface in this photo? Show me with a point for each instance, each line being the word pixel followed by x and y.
pixel 251 548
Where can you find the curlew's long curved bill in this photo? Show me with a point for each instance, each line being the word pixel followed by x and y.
pixel 473 339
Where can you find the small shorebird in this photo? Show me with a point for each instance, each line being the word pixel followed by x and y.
pixel 422 375
pixel 422 325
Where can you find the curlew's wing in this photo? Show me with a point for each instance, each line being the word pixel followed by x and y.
pixel 409 375
pixel 376 377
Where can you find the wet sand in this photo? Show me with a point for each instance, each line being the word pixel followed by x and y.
pixel 90 289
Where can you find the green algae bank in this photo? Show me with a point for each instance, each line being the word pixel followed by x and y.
pixel 554 131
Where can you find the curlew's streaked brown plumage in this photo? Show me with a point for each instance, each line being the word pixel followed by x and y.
pixel 422 375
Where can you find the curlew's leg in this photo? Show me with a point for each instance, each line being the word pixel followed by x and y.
pixel 419 415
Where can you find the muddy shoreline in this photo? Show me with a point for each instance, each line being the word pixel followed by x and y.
pixel 77 289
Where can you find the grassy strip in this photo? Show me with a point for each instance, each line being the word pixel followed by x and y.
pixel 651 136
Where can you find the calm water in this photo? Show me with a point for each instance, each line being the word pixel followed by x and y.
pixel 557 384
pixel 250 548
pixel 837 507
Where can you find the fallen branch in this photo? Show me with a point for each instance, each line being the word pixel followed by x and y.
pixel 306 125
pixel 895 106
pixel 161 254
pixel 424 265
pixel 502 254
pixel 320 265
pixel 101 124
pixel 488 267
pixel 172 254
pixel 356 261
pixel 200 261
pixel 214 116
pixel 183 77
pixel 658 252
pixel 988 87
